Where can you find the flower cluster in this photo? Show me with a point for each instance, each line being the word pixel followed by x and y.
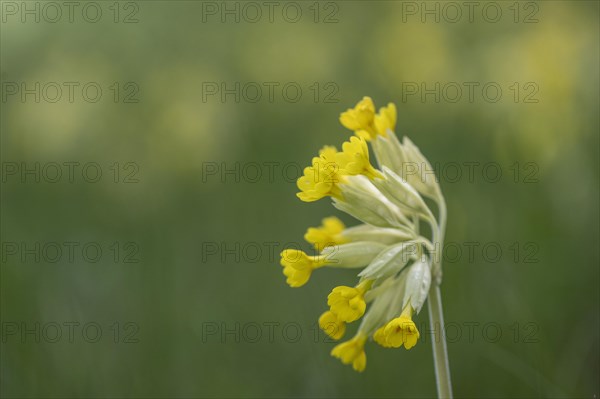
pixel 396 261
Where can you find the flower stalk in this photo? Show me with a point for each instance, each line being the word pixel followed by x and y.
pixel 438 342
pixel 436 315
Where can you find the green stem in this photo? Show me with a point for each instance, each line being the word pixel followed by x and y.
pixel 436 314
pixel 438 342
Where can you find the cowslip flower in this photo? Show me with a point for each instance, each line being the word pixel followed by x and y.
pixel 331 324
pixel 398 270
pixel 365 123
pixel 330 233
pixel 320 179
pixel 348 303
pixel 399 331
pixel 298 266
pixel 352 352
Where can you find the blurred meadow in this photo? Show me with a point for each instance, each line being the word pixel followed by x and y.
pixel 152 270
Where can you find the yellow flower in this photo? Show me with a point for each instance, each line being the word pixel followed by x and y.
pixel 298 266
pixel 327 235
pixel 327 170
pixel 354 158
pixel 321 179
pixel 391 210
pixel 348 303
pixel 360 117
pixel 352 352
pixel 399 331
pixel 363 121
pixel 327 153
pixel 386 119
pixel 332 325
pixel 380 338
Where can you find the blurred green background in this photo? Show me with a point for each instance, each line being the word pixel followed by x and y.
pixel 189 275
